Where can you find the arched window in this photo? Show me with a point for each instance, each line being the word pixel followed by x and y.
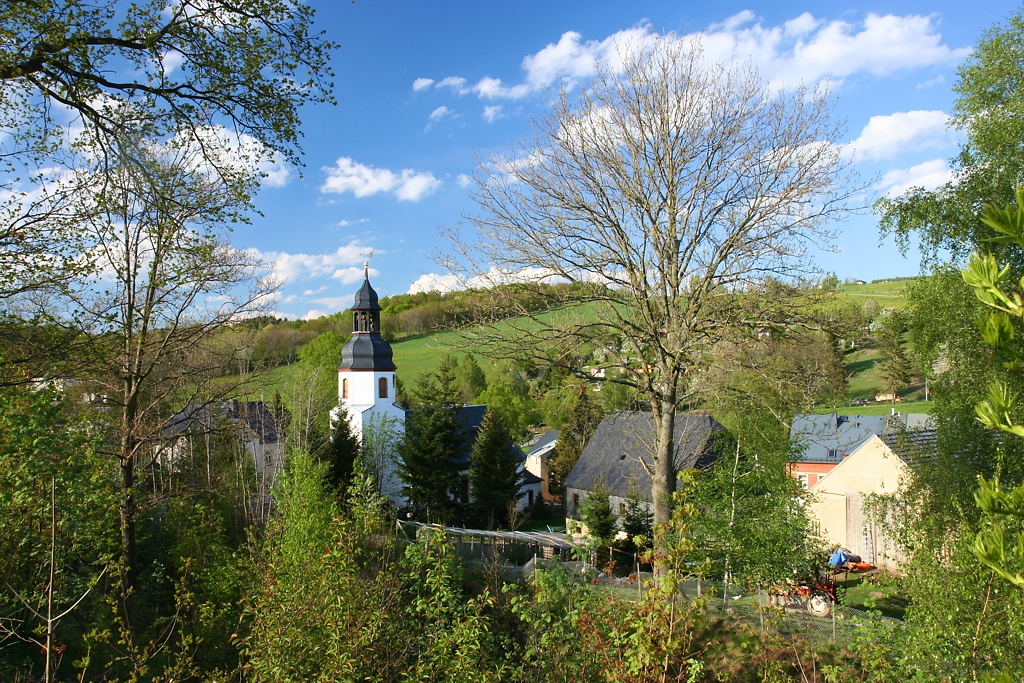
pixel 382 383
pixel 344 387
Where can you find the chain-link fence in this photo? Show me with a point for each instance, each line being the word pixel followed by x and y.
pixel 829 623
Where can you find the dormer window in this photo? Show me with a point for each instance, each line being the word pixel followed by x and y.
pixel 833 454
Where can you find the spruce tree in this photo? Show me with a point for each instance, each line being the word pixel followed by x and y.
pixel 342 455
pixel 596 511
pixel 432 445
pixel 637 519
pixel 894 368
pixel 494 474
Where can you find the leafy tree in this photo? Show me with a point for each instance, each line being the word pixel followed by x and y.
pixel 379 451
pixel 172 289
pixel 573 438
pixel 44 444
pixel 512 405
pixel 495 476
pixel 894 368
pixel 471 378
pixel 633 181
pixel 596 512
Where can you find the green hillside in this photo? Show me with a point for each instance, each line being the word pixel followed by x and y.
pixel 885 294
pixel 418 355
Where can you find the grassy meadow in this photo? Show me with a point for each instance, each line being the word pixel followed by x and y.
pixel 418 355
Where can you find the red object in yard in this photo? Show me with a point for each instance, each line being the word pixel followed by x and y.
pixel 862 566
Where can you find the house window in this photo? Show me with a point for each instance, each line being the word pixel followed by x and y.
pixel 833 453
pixel 804 480
pixel 344 388
pixel 529 496
pixel 575 500
pixel 622 509
pixel 382 383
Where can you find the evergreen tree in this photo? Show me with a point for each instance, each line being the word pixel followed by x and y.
pixel 442 385
pixel 894 369
pixel 342 455
pixel 432 445
pixel 583 420
pixel 596 511
pixel 472 381
pixel 494 474
pixel 638 520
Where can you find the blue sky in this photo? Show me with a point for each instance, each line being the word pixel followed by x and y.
pixel 422 88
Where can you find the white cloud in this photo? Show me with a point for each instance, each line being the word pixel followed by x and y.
pixel 803 49
pixel 432 282
pixel 363 181
pixel 493 113
pixel 463 180
pixel 422 84
pixel 339 303
pixel 292 267
pixel 440 113
pixel 241 151
pixel 311 292
pixel 171 60
pixel 281 315
pixel 343 223
pixel 929 175
pixel 886 137
pixel 314 314
pixel 455 83
pixel 941 78
pixel 290 299
pixel 449 283
pixel 352 274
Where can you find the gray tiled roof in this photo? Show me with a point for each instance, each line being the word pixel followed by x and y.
pixel 914 445
pixel 827 438
pixel 623 438
pixel 545 440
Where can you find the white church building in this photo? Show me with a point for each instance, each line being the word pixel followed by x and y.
pixel 366 390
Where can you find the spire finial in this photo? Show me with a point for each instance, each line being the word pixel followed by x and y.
pixel 366 270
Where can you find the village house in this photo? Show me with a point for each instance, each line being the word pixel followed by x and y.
pixel 826 440
pixel 839 500
pixel 188 434
pixel 620 452
pixel 538 457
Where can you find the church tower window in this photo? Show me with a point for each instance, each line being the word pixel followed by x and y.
pixel 383 385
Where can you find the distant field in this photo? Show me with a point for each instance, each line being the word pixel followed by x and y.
pixel 881 408
pixel 884 293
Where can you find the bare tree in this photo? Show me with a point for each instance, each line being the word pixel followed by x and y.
pixel 673 193
pixel 168 287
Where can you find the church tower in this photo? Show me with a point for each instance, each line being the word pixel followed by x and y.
pixel 366 375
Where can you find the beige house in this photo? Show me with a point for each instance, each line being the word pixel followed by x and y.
pixel 879 466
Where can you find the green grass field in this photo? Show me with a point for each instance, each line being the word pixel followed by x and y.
pixel 885 294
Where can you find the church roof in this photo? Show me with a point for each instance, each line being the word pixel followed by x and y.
pixel 366 351
pixel 366 298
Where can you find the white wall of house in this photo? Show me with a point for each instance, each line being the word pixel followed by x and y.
pixel 837 502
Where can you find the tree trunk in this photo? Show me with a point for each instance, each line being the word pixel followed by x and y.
pixel 128 516
pixel 663 483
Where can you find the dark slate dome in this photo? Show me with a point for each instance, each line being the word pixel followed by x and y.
pixel 366 297
pixel 366 350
